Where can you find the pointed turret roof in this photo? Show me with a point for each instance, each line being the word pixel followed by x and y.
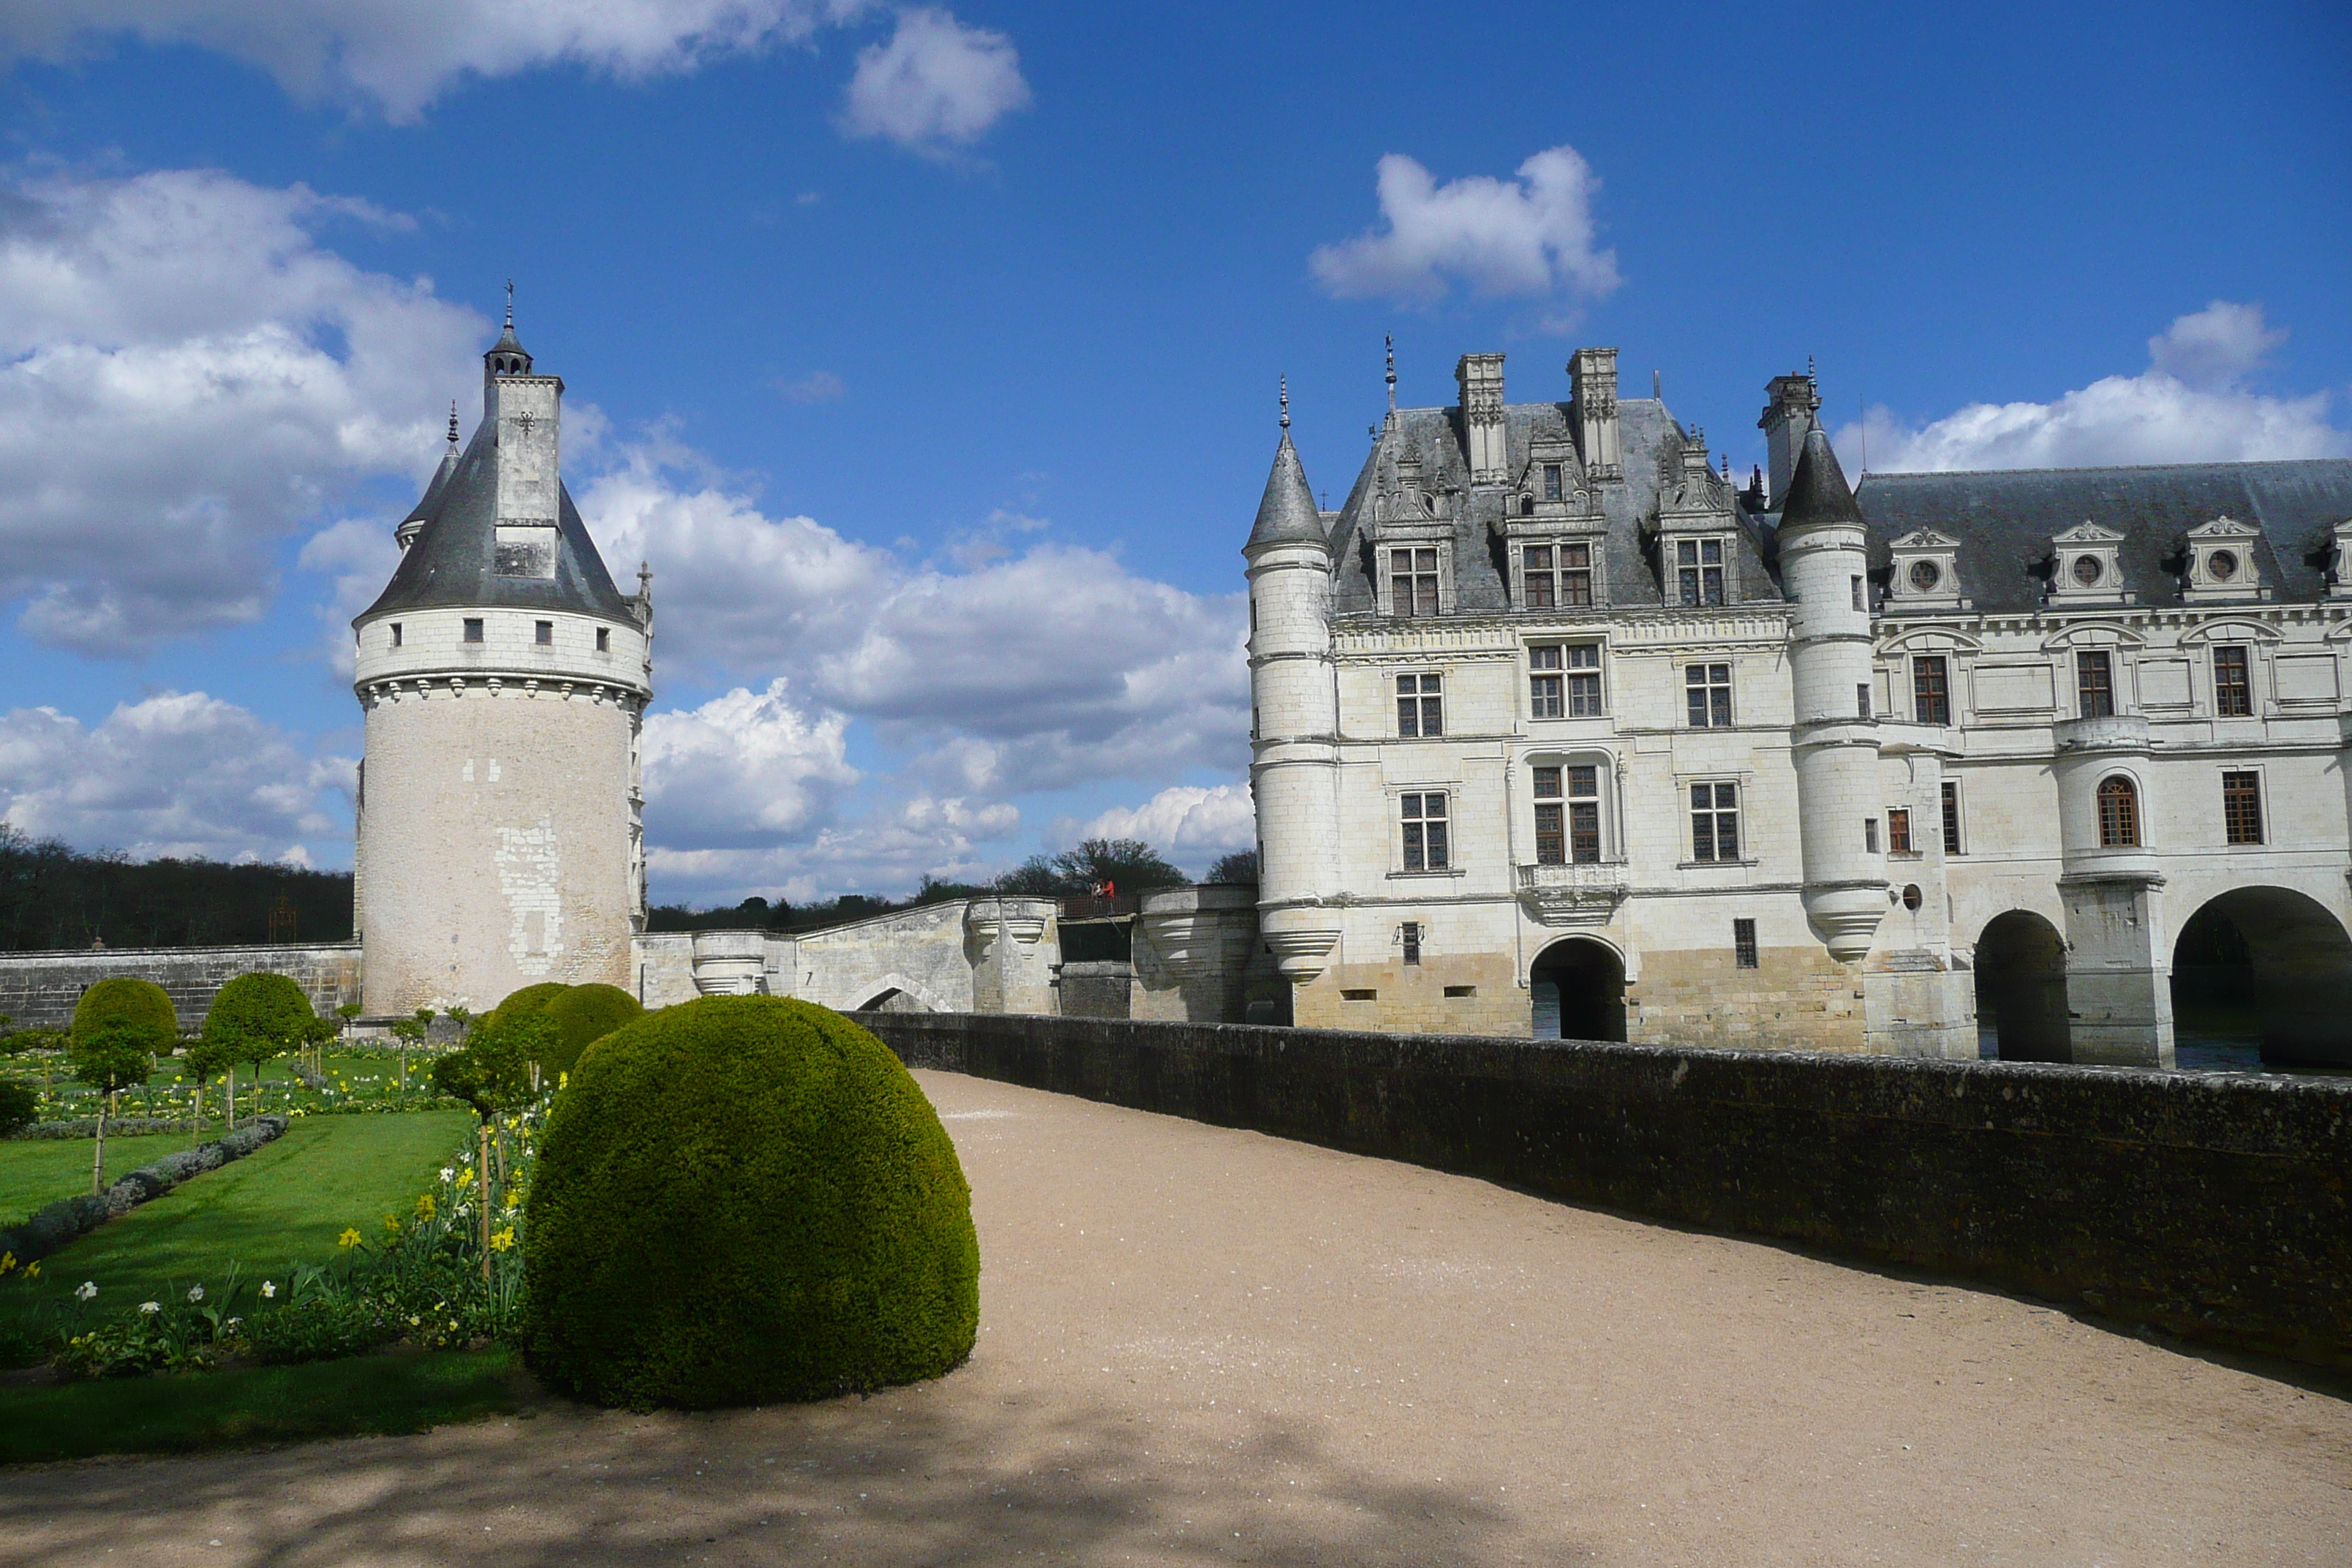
pixel 1288 515
pixel 1818 494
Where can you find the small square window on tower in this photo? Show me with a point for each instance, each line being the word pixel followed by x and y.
pixel 473 628
pixel 395 634
pixel 603 639
pixel 1410 932
pixel 543 632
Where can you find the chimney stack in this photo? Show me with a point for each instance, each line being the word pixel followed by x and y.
pixel 1480 377
pixel 1592 375
pixel 1787 420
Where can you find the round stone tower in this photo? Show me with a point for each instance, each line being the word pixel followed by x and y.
pixel 503 678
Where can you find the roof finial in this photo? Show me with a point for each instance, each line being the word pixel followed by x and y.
pixel 1286 401
pixel 1391 341
pixel 1810 378
pixel 510 304
pixel 452 422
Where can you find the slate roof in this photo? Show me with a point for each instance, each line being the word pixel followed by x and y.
pixel 1288 514
pixel 452 561
pixel 1818 494
pixel 1652 445
pixel 2004 522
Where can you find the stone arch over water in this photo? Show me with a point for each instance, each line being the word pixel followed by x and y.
pixel 2273 962
pixel 1577 989
pixel 2021 971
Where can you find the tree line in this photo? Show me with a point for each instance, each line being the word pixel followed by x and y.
pixel 55 896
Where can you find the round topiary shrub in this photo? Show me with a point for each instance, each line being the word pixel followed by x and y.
pixel 122 999
pixel 744 1199
pixel 530 999
pixel 584 1014
pixel 270 1008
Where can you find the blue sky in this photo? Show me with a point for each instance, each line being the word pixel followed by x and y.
pixel 931 354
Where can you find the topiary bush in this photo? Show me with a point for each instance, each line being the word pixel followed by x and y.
pixel 745 1199
pixel 139 1003
pixel 530 999
pixel 584 1014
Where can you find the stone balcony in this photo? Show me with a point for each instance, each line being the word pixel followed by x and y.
pixel 1573 895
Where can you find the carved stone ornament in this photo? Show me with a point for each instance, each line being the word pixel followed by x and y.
pixel 1572 895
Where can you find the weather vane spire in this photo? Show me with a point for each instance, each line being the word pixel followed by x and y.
pixel 1388 340
pixel 452 422
pixel 510 304
pixel 1286 401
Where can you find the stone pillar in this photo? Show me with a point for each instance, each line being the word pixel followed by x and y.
pixel 1192 952
pixel 1014 945
pixel 730 963
pixel 2119 955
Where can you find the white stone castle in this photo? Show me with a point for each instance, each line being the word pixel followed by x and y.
pixel 1558 731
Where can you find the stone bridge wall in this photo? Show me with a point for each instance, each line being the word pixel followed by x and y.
pixel 2213 1206
pixel 39 989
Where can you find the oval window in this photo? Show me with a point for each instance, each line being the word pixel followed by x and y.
pixel 2222 566
pixel 1925 576
pixel 2087 570
pixel 1911 897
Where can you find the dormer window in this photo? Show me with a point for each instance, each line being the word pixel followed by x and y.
pixel 2088 567
pixel 1412 581
pixel 1924 576
pixel 2220 563
pixel 1551 490
pixel 1699 571
pixel 2087 571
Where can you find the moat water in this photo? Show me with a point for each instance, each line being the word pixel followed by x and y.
pixel 2207 1041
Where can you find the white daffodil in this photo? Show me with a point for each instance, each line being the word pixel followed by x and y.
pixel 87 1288
pixel 151 1306
pixel 196 1292
pixel 268 1289
pixel 447 1175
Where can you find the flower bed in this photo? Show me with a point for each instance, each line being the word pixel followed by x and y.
pixel 51 1228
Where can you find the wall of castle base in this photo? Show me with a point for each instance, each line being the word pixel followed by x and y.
pixel 38 990
pixel 1795 999
pixel 1445 993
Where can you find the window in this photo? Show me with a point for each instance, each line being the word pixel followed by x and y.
pixel 1862 700
pixel 2242 807
pixel 543 632
pixel 1743 943
pixel 2118 815
pixel 1698 565
pixel 1547 686
pixel 1870 834
pixel 473 628
pixel 1412 582
pixel 1568 815
pixel 1408 934
pixel 1708 688
pixel 2087 570
pixel 395 634
pixel 1551 481
pixel 1951 817
pixel 1536 567
pixel 1925 576
pixel 2095 683
pixel 1557 575
pixel 1576 575
pixel 1583 679
pixel 1564 680
pixel 1898 830
pixel 2221 566
pixel 2233 684
pixel 1715 822
pixel 1421 706
pixel 1858 602
pixel 1931 690
pixel 1425 833
pixel 603 639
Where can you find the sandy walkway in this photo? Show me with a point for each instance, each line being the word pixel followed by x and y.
pixel 1203 1345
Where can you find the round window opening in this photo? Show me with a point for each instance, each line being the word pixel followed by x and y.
pixel 2087 570
pixel 1911 896
pixel 2221 566
pixel 1925 576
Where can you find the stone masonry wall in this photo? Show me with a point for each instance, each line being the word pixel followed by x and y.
pixel 2214 1206
pixel 1796 998
pixel 39 989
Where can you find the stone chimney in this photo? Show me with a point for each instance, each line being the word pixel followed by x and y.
pixel 1594 375
pixel 1480 380
pixel 1792 401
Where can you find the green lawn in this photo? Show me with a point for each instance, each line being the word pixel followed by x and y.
pixel 170 1091
pixel 285 1203
pixel 37 1171
pixel 402 1392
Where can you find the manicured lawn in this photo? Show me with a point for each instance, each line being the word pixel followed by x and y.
pixel 402 1392
pixel 37 1171
pixel 284 1204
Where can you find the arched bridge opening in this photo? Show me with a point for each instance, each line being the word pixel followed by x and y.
pixel 2268 965
pixel 1577 988
pixel 2020 975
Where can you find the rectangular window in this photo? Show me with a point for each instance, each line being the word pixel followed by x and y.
pixel 1536 572
pixel 1870 834
pixel 1898 830
pixel 1862 700
pixel 1743 943
pixel 1408 934
pixel 473 628
pixel 1860 602
pixel 1551 481
pixel 1576 575
pixel 1421 706
pixel 2095 683
pixel 1931 690
pixel 395 634
pixel 1568 815
pixel 1583 679
pixel 1546 684
pixel 1708 687
pixel 1584 815
pixel 1412 581
pixel 1425 833
pixel 2242 807
pixel 1698 570
pixel 603 639
pixel 1951 817
pixel 543 632
pixel 1552 837
pixel 2233 684
pixel 1715 822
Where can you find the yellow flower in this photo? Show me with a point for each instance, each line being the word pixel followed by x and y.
pixel 350 1238
pixel 7 1262
pixel 425 1207
pixel 32 1271
pixel 501 1241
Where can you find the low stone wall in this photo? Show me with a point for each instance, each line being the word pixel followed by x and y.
pixel 2213 1206
pixel 39 989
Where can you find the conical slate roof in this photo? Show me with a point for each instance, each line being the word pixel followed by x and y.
pixel 430 503
pixel 1818 494
pixel 1287 515
pixel 454 559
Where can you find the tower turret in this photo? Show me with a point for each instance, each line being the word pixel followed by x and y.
pixel 503 678
pixel 1294 718
pixel 1824 563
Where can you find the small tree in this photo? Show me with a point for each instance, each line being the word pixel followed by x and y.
pixel 110 1058
pixel 411 1032
pixel 254 1018
pixel 19 1107
pixel 491 1072
pixel 202 1060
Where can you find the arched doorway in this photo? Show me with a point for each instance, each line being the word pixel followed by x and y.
pixel 2022 988
pixel 2267 963
pixel 891 1001
pixel 1578 989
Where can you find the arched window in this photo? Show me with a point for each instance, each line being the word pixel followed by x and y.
pixel 2118 815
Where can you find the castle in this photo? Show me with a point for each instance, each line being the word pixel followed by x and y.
pixel 1556 731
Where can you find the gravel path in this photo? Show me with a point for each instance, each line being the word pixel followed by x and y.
pixel 1201 1345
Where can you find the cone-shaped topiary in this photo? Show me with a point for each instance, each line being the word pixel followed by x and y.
pixel 139 1003
pixel 582 1015
pixel 743 1199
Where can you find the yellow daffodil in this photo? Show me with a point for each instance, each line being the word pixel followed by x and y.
pixel 501 1241
pixel 350 1238
pixel 425 1205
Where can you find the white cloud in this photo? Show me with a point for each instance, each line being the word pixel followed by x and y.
pixel 1531 236
pixel 402 54
pixel 357 555
pixel 816 387
pixel 935 86
pixel 1185 821
pixel 174 773
pixel 744 769
pixel 185 376
pixel 2191 405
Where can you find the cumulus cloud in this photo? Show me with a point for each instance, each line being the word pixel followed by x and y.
pixel 816 387
pixel 744 769
pixel 1186 821
pixel 2192 405
pixel 935 86
pixel 400 55
pixel 1528 236
pixel 185 376
pixel 176 773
